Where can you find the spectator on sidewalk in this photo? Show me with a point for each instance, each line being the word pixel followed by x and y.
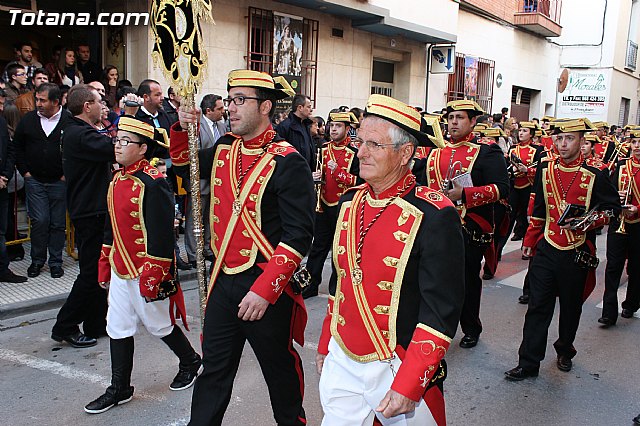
pixel 27 101
pixel 89 69
pixel 39 160
pixel 24 57
pixel 7 161
pixel 16 82
pixel 15 187
pixel 67 72
pixel 295 129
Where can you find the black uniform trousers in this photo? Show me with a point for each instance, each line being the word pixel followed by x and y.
pixel 621 247
pixel 87 301
pixel 553 273
pixel 470 316
pixel 519 201
pixel 323 231
pixel 224 336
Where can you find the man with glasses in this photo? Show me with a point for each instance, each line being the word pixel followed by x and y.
pixel 396 305
pixel 87 156
pixel 483 182
pixel 16 81
pixel 262 203
pixel 136 263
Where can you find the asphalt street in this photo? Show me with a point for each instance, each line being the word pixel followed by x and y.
pixel 47 383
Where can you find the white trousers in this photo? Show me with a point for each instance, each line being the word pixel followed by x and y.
pixel 127 308
pixel 350 391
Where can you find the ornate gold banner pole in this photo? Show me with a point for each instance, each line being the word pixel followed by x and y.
pixel 177 39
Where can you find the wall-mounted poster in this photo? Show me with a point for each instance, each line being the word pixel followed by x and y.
pixel 287 45
pixel 470 77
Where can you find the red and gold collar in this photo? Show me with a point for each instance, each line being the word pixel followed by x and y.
pixel 467 138
pixel 138 165
pixel 261 140
pixel 400 188
pixel 575 163
pixel 345 142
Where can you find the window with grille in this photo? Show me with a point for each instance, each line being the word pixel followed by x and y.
pixel 623 116
pixel 632 55
pixel 484 91
pixel 260 48
pixel 382 77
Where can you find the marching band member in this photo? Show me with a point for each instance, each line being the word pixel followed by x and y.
pixel 338 172
pixel 564 250
pixel 262 203
pixel 137 263
pixel 399 289
pixel 623 241
pixel 486 183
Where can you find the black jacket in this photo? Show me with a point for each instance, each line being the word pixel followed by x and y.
pixel 86 160
pixel 296 132
pixel 37 153
pixel 7 151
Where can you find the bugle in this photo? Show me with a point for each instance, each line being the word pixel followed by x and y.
pixel 319 182
pixel 621 229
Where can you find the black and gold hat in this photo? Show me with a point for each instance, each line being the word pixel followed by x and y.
pixel 348 118
pixel 472 108
pixel 530 125
pixel 480 127
pixel 592 138
pixel 157 136
pixel 635 133
pixel 600 124
pixel 398 113
pixel 572 125
pixel 278 86
pixel 491 132
pixel 431 127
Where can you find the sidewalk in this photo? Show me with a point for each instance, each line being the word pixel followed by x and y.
pixel 44 292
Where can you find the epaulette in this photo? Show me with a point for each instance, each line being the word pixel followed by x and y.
pixel 152 171
pixel 281 148
pixel 595 162
pixel 433 197
pixel 547 159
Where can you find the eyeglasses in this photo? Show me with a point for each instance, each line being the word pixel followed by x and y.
pixel 124 142
pixel 239 100
pixel 371 145
pixel 20 74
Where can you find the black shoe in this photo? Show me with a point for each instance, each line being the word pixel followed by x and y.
pixel 10 277
pixel 34 270
pixel 487 276
pixel 636 420
pixel 469 341
pixel 606 321
pixel 77 340
pixel 182 265
pixel 516 238
pixel 110 398
pixel 564 363
pixel 626 313
pixel 524 299
pixel 526 257
pixel 309 292
pixel 517 374
pixel 56 271
pixel 186 375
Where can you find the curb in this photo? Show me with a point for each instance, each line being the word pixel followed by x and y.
pixel 187 278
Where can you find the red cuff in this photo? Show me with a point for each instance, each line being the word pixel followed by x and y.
pixel 602 221
pixel 325 335
pixel 179 147
pixel 421 361
pixel 479 195
pixel 271 283
pixel 104 266
pixel 534 232
pixel 154 271
pixel 531 174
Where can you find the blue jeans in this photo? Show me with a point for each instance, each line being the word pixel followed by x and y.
pixel 47 210
pixel 4 258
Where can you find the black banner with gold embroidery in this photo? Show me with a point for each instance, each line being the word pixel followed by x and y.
pixel 177 41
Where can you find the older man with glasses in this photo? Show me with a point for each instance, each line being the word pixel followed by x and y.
pixel 396 306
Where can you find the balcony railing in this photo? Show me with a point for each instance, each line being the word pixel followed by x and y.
pixel 632 55
pixel 539 16
pixel 549 8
